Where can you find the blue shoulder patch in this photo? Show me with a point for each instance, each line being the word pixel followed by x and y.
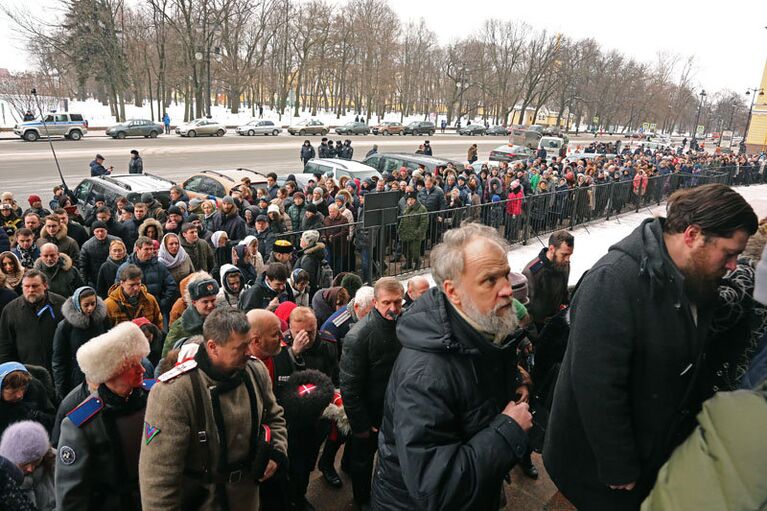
pixel 537 266
pixel 148 384
pixel 86 410
pixel 327 336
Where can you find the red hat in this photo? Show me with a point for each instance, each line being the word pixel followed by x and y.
pixel 283 312
pixel 34 198
pixel 141 321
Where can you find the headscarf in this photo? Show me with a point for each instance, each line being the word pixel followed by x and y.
pixel 76 296
pixel 12 279
pixel 165 257
pixel 222 255
pixel 248 270
pixel 216 237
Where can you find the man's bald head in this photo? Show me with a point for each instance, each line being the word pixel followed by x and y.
pixel 265 333
pixel 417 286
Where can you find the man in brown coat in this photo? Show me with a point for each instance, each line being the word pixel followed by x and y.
pixel 129 299
pixel 213 429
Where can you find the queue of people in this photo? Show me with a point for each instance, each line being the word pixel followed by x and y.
pixel 208 356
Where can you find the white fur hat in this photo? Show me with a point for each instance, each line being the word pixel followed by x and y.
pixel 103 357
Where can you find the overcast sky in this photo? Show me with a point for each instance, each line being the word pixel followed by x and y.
pixel 728 40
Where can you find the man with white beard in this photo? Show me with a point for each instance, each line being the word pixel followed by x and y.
pixel 455 414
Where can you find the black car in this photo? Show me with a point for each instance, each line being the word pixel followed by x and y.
pixel 353 128
pixel 497 130
pixel 472 130
pixel 387 162
pixel 420 128
pixel 130 186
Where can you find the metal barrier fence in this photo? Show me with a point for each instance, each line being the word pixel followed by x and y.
pixel 378 251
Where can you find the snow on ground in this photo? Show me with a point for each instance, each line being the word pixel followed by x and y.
pixel 592 241
pixel 99 115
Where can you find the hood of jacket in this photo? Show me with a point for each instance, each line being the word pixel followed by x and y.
pixel 79 320
pixel 60 236
pixel 146 223
pixel 226 270
pixel 65 263
pixel 426 326
pixel 317 248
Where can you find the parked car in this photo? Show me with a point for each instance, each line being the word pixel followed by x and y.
pixel 386 162
pixel 420 128
pixel 477 165
pixel 472 130
pixel 555 146
pixel 258 127
pixel 215 184
pixel 388 128
pixel 353 128
pixel 497 130
pixel 526 137
pixel 309 127
pixel 509 152
pixel 201 127
pixel 337 168
pixel 136 128
pixel 67 125
pixel 130 186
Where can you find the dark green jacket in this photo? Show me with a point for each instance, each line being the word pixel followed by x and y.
pixel 412 225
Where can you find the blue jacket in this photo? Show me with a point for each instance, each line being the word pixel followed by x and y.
pixel 98 169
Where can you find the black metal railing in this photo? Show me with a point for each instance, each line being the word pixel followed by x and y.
pixel 378 251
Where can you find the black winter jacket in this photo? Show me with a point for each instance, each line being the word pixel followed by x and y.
pixel 107 276
pixel 369 351
pixel 258 296
pixel 93 253
pixel 546 287
pixel 444 443
pixel 26 331
pixel 72 332
pixel 633 353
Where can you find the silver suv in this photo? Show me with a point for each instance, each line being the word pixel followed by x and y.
pixel 71 126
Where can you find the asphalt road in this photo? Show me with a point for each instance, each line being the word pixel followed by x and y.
pixel 28 167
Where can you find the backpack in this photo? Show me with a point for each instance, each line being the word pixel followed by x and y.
pixel 324 275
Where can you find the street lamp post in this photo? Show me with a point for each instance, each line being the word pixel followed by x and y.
pixel 694 141
pixel 753 100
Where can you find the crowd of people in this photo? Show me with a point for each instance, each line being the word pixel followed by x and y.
pixel 210 354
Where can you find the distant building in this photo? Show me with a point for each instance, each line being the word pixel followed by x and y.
pixel 4 73
pixel 756 141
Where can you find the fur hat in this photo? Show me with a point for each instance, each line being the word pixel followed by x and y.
pixel 282 247
pixel 24 442
pixel 273 208
pixel 202 288
pixel 310 237
pixel 104 356
pixel 306 395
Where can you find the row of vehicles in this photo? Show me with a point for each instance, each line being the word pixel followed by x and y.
pixel 74 126
pixel 214 184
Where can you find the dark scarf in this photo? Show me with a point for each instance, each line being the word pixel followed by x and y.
pixel 225 382
pixel 118 405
